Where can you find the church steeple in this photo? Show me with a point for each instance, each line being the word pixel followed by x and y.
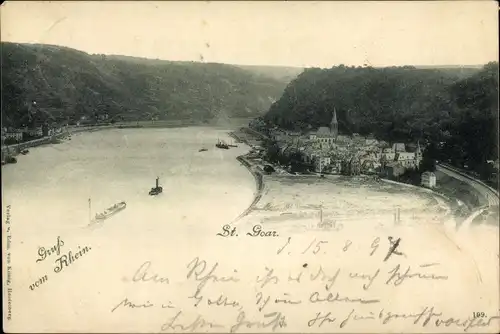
pixel 334 117
pixel 418 152
pixel 334 125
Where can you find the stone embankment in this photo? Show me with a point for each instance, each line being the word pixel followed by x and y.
pixel 13 150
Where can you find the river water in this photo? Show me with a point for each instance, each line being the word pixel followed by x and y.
pixel 49 188
pixel 48 192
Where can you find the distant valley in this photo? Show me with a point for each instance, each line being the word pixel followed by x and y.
pixel 68 85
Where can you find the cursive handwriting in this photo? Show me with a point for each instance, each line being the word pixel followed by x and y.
pixel 324 318
pixel 370 278
pixel 261 300
pixel 198 323
pixel 287 300
pixel 141 275
pixel 315 298
pixel 127 303
pixel 66 260
pixel 330 288
pixel 56 249
pixel 227 231
pixel 397 278
pixel 427 314
pixel 222 301
pixel 355 317
pixel 467 323
pixel 324 277
pixel 426 317
pixel 287 243
pixel 438 319
pixel 374 246
pixel 317 245
pixel 277 321
pixel 269 278
pixel 198 270
pixel 258 232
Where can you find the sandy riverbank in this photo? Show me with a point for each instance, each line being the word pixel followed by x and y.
pixel 259 183
pixel 281 184
pixel 338 210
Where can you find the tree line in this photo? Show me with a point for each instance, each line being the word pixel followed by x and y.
pixel 456 116
pixel 68 84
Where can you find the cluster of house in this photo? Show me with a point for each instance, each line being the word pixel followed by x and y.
pixel 23 134
pixel 328 151
pixel 97 118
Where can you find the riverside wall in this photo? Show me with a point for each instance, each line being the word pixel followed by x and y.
pixel 15 149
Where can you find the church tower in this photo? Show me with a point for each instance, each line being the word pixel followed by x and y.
pixel 334 125
pixel 418 154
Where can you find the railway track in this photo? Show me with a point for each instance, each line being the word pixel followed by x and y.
pixel 488 192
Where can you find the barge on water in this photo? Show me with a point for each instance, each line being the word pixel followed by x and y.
pixel 109 212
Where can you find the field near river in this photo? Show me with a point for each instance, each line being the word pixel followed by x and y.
pixel 299 200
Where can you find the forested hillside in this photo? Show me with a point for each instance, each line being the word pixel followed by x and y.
pixel 400 104
pixel 68 84
pixel 280 73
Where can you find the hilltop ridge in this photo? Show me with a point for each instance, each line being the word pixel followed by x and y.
pixel 454 110
pixel 69 85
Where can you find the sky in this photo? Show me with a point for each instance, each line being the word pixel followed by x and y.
pixel 301 34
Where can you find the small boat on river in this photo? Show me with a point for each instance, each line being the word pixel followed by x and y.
pixel 202 150
pixel 156 190
pixel 222 145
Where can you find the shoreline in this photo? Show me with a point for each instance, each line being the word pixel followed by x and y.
pixel 258 176
pixel 15 149
pixel 116 239
pixel 119 125
pixel 259 182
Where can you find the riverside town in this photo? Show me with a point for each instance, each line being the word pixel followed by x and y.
pixel 271 166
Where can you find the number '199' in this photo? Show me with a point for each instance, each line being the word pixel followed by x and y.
pixel 478 314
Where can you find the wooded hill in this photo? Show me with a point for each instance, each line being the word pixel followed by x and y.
pixel 68 84
pixel 400 104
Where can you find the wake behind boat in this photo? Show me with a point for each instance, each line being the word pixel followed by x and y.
pixel 109 212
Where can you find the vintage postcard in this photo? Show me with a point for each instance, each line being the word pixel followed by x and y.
pixel 259 167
